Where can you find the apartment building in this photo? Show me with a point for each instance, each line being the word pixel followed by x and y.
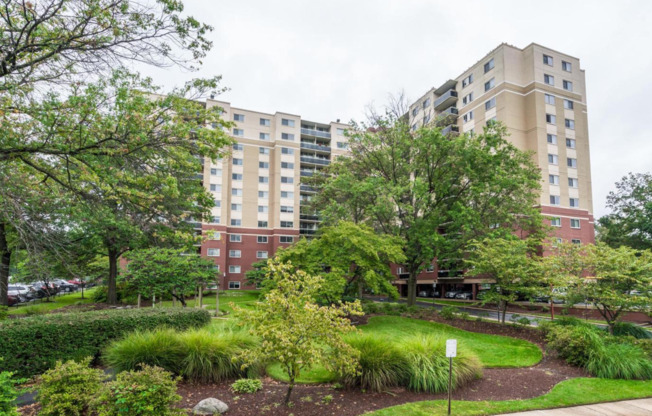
pixel 259 199
pixel 539 94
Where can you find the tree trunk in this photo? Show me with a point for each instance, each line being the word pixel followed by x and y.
pixel 112 291
pixel 412 289
pixel 201 296
pixel 174 298
pixel 139 300
pixel 154 300
pixel 504 310
pixel 5 261
pixel 290 388
pixel 217 299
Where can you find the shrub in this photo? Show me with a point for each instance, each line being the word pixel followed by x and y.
pixel 619 360
pixel 369 308
pixel 428 365
pixel 8 394
pixel 390 309
pixel 629 329
pixel 574 343
pixel 464 315
pixel 448 312
pixel 4 313
pixel 413 310
pixel 34 344
pixel 381 364
pixel 148 392
pixel 519 320
pixel 68 388
pixel 247 385
pixel 160 348
pixel 32 310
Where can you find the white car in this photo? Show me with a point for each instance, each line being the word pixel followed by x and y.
pixel 22 292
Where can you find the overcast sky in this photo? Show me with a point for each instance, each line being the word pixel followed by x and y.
pixel 329 59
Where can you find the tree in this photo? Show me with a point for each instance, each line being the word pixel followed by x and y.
pixel 171 272
pixel 297 332
pixel 620 281
pixel 514 265
pixel 630 222
pixel 435 192
pixel 349 257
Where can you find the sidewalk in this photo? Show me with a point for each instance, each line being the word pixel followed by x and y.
pixel 641 407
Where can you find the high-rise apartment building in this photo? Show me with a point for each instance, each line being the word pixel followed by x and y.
pixel 539 94
pixel 257 189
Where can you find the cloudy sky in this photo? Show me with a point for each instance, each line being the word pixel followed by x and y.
pixel 329 59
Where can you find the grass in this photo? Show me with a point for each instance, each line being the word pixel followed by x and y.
pixel 574 392
pixel 242 298
pixel 57 303
pixel 316 374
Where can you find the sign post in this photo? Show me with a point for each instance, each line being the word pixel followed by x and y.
pixel 451 351
pixel 434 290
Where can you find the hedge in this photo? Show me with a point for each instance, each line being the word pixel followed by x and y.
pixel 32 345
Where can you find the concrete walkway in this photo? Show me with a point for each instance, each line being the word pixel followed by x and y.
pixel 641 407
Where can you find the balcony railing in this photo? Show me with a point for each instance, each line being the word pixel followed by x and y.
pixel 307 173
pixel 307 231
pixel 316 133
pixel 309 217
pixel 307 188
pixel 450 111
pixel 315 161
pixel 447 99
pixel 450 129
pixel 317 147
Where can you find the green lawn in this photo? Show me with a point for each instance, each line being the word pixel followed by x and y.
pixel 242 298
pixel 574 392
pixel 57 302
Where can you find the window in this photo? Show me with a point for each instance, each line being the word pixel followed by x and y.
pixel 263 150
pixel 238 132
pixel 570 124
pixel 415 111
pixel 490 104
pixel 263 194
pixel 287 136
pixel 566 66
pixel 236 176
pixel 238 147
pixel 213 252
pixel 430 268
pixel 552 138
pixel 574 202
pixel 264 136
pixel 262 209
pixel 554 200
pixel 236 207
pixel 489 84
pixel 234 285
pixel 287 179
pixel 553 159
pixel 216 172
pixel 234 269
pixel 553 179
pixel 285 239
pixel 568 104
pixel 237 162
pixel 575 223
pixel 217 203
pixel 426 103
pixel 236 223
pixel 236 191
pixel 263 179
pixel 216 188
pixel 551 119
pixel 550 99
pixel 287 208
pixel 286 194
pixel 548 79
pixel 263 165
pixel 286 122
pixel 467 81
pixel 571 162
pixel 238 117
pixel 489 65
pixel 467 98
pixel 342 145
pixel 491 121
pixel 555 222
pixel 568 86
pixel 576 241
pixel 573 182
pixel 426 119
pixel 261 255
pixel 265 122
pixel 287 165
pixel 287 151
pixel 340 131
pixel 215 236
pixel 215 220
pixel 262 224
pixel 468 116
pixel 287 224
pixel 547 59
pixel 570 143
pixel 261 239
pixel 235 254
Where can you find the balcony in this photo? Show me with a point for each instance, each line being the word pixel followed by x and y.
pixel 307 188
pixel 308 217
pixel 307 231
pixel 195 225
pixel 450 129
pixel 315 133
pixel 449 112
pixel 446 100
pixel 315 160
pixel 307 172
pixel 317 147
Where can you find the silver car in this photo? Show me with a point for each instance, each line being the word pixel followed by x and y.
pixel 22 292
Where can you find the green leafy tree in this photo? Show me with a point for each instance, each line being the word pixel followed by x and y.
pixel 167 271
pixel 514 265
pixel 630 222
pixel 434 192
pixel 295 331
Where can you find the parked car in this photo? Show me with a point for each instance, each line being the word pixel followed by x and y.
pixel 22 292
pixel 464 295
pixel 64 286
pixel 12 300
pixel 429 294
pixel 451 294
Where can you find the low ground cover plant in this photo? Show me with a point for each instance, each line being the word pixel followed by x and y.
pixel 8 393
pixel 247 385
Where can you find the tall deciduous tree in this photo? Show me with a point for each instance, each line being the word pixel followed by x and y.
pixel 630 222
pixel 435 192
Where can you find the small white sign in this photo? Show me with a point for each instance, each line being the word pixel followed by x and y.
pixel 451 348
